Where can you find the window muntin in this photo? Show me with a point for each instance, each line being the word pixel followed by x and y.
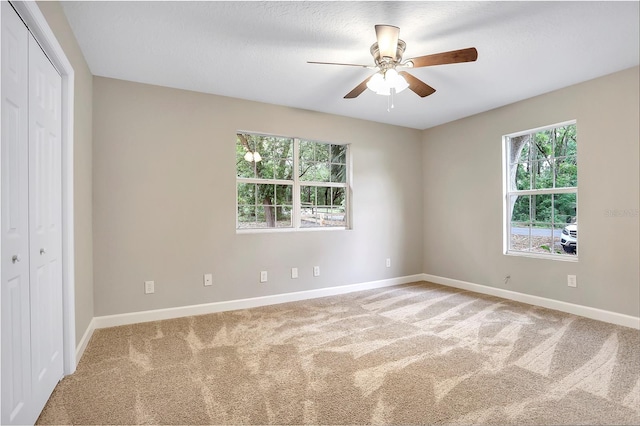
pixel 541 192
pixel 290 183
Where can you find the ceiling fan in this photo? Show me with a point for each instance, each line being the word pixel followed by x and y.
pixel 387 55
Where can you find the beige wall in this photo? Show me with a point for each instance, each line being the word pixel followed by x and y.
pixel 164 201
pixel 463 196
pixel 82 169
pixel 161 188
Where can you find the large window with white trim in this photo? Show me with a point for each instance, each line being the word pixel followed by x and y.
pixel 541 190
pixel 290 183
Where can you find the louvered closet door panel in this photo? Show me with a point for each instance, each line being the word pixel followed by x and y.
pixel 45 223
pixel 16 357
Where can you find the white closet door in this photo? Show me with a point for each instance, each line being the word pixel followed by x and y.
pixel 45 221
pixel 16 355
pixel 31 293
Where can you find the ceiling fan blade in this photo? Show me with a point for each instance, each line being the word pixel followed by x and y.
pixel 455 56
pixel 387 36
pixel 338 63
pixel 420 88
pixel 358 89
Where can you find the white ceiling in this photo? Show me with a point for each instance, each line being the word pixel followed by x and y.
pixel 258 50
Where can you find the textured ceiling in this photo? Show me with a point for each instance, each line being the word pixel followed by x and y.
pixel 258 50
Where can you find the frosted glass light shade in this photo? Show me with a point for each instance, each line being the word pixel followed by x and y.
pixel 376 82
pixel 383 83
pixel 400 84
pixel 396 81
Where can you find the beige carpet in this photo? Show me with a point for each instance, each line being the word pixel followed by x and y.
pixel 414 354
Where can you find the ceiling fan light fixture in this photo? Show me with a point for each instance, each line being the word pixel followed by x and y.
pixel 384 91
pixel 390 75
pixel 387 38
pixel 397 81
pixel 382 84
pixel 376 82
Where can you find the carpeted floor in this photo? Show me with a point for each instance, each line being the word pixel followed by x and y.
pixel 414 354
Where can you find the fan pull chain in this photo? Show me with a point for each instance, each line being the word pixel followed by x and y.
pixel 390 104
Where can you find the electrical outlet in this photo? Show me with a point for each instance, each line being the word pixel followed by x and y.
pixel 149 287
pixel 316 271
pixel 208 279
pixel 294 272
pixel 571 281
pixel 388 262
pixel 263 276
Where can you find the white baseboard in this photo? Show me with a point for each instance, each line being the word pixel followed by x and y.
pixel 584 311
pixel 82 345
pixel 231 305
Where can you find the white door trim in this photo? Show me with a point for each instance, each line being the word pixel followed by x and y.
pixel 37 24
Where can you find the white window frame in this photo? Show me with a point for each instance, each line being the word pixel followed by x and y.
pixel 508 193
pixel 297 184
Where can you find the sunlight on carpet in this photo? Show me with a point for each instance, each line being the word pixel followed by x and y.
pixel 414 354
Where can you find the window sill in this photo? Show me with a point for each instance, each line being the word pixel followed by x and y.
pixel 560 257
pixel 288 230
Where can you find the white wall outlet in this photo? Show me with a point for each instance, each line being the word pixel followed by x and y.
pixel 316 271
pixel 294 272
pixel 571 281
pixel 149 287
pixel 208 279
pixel 263 276
pixel 388 262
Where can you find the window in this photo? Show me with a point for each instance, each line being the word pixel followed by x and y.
pixel 289 183
pixel 541 189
